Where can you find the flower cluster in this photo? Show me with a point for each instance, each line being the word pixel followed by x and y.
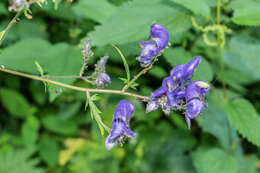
pixel 178 93
pixel 157 41
pixel 102 78
pixel 120 124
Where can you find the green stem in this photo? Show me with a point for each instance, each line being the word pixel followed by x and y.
pixel 145 70
pixel 71 77
pixel 143 98
pixel 13 21
pixel 222 68
pixel 97 117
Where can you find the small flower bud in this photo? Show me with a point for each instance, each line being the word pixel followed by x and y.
pixel 87 52
pixel 102 80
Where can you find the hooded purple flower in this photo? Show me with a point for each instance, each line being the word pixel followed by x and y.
pixel 149 51
pixel 102 80
pixel 157 41
pixel 194 96
pixel 120 124
pixel 190 67
pixel 160 35
pixel 87 52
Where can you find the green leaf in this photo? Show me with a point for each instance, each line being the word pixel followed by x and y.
pixel 243 117
pixel 56 60
pixel 124 62
pixel 177 56
pixel 196 6
pixel 131 22
pixel 213 160
pixel 246 12
pixel 19 161
pixel 49 150
pixel 58 125
pixel 243 55
pixel 15 103
pixel 240 113
pixel 30 131
pixel 95 10
pixel 214 120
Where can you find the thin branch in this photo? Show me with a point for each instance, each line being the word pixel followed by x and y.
pixel 13 21
pixel 71 77
pixel 145 70
pixel 119 92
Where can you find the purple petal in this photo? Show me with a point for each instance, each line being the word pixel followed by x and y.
pixel 190 67
pixel 194 90
pixel 194 107
pixel 177 72
pixel 160 35
pixel 87 49
pixel 159 92
pixel 152 106
pixel 124 110
pixel 187 121
pixel 102 80
pixel 149 51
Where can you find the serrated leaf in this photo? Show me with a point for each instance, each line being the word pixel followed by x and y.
pixel 19 161
pixel 196 6
pixel 131 22
pixel 246 12
pixel 244 118
pixel 213 160
pixel 95 10
pixel 240 113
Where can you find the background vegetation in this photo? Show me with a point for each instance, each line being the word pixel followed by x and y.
pixel 49 131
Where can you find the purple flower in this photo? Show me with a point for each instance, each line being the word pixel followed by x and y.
pixel 87 52
pixel 160 35
pixel 120 124
pixel 194 96
pixel 102 80
pixel 149 51
pixel 190 67
pixel 101 64
pixel 158 40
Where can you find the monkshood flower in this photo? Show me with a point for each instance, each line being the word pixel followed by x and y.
pixel 157 41
pixel 160 35
pixel 194 97
pixel 120 124
pixel 87 52
pixel 102 78
pixel 178 93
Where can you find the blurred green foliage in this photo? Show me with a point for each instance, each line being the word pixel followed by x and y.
pixel 49 131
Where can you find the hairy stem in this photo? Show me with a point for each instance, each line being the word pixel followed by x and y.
pixel 145 70
pixel 119 92
pixel 9 26
pixel 222 68
pixel 97 117
pixel 71 77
